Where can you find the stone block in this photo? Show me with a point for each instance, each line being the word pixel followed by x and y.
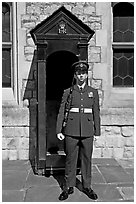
pixel 107 152
pixel 10 143
pixel 95 50
pixel 28 25
pixel 88 10
pixel 118 152
pixel 53 8
pixel 5 154
pixel 83 18
pixel 114 141
pixel 94 19
pixel 128 152
pixel 26 103
pixel 29 57
pixel 43 17
pixel 23 154
pixel 25 18
pixel 117 116
pixel 92 41
pixel 13 154
pixel 29 9
pixel 23 143
pixel 78 10
pixel 68 7
pixel 127 131
pixel 112 130
pixel 100 142
pixel 96 25
pixel 94 57
pixel 129 141
pixel 97 153
pixel 30 42
pixel 21 132
pixel 15 116
pixel 101 38
pixel 28 50
pixel 96 83
pixel 8 131
pixel 100 71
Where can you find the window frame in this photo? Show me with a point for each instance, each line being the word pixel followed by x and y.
pixel 120 45
pixel 11 93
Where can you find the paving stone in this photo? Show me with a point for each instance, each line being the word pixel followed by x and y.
pixel 125 185
pixel 97 177
pixel 36 180
pixel 107 192
pixel 105 162
pixel 21 184
pixel 16 165
pixel 115 174
pixel 43 194
pixel 130 172
pixel 126 163
pixel 127 192
pixel 12 196
pixel 13 179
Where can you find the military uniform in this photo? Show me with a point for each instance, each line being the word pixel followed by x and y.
pixel 82 124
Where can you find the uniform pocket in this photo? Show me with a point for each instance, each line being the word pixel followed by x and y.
pixel 90 117
pixel 70 118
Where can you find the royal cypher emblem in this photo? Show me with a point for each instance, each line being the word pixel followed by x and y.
pixel 81 65
pixel 90 94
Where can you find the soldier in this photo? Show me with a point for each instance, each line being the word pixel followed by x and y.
pixel 80 129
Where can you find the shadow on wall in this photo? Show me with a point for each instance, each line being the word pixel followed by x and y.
pixel 30 93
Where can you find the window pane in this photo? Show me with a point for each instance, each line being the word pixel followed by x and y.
pixel 6 68
pixel 123 67
pixel 5 22
pixel 123 22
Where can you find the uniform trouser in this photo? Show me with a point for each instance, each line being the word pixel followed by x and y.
pixel 72 147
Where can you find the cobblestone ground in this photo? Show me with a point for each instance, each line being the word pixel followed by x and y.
pixel 112 180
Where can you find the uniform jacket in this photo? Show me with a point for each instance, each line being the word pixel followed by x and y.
pixel 80 124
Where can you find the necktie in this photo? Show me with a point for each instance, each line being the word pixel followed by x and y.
pixel 81 88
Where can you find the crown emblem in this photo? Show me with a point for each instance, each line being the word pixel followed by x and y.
pixel 81 65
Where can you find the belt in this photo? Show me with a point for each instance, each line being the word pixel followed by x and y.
pixel 82 110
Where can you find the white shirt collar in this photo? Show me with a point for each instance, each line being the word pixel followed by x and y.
pixel 82 86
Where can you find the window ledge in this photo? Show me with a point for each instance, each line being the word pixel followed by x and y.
pixel 123 90
pixel 8 98
pixel 123 45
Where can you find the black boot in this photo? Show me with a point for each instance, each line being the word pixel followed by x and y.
pixel 70 190
pixel 90 193
pixel 63 195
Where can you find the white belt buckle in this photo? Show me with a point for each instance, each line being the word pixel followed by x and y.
pixel 75 110
pixel 87 110
pixel 82 110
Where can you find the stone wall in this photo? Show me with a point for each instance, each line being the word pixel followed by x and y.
pixel 19 125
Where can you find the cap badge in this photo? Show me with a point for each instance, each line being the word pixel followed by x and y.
pixel 81 65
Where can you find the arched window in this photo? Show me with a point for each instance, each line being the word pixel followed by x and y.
pixel 123 44
pixel 6 44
